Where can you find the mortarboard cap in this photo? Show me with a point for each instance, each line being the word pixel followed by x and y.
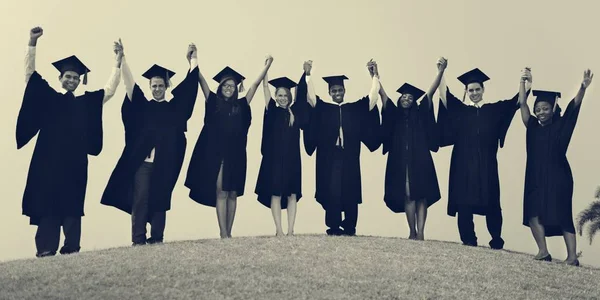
pixel 335 80
pixel 546 96
pixel 410 89
pixel 474 75
pixel 282 82
pixel 228 72
pixel 72 63
pixel 158 71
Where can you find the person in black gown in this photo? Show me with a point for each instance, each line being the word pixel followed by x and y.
pixel 216 174
pixel 476 129
pixel 336 131
pixel 68 129
pixel 143 180
pixel 279 183
pixel 409 135
pixel 548 195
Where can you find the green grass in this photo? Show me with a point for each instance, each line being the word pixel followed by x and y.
pixel 300 267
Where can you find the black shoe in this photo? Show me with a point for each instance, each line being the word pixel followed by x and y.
pixel 471 244
pixel 545 258
pixel 497 244
pixel 65 250
pixel 154 241
pixel 45 254
pixel 135 244
pixel 575 263
pixel 349 232
pixel 335 231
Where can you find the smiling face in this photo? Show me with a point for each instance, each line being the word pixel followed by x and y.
pixel 69 80
pixel 543 112
pixel 158 88
pixel 475 91
pixel 228 88
pixel 337 93
pixel 406 100
pixel 283 97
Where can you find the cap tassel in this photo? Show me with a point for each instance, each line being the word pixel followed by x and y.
pixel 464 95
pixel 241 88
pixel 168 79
pixel 85 78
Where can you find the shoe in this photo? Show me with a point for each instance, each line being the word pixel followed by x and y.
pixel 45 254
pixel 335 231
pixel 65 250
pixel 497 244
pixel 154 241
pixel 471 244
pixel 575 263
pixel 135 244
pixel 349 232
pixel 545 258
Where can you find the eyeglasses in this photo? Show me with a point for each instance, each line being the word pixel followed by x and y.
pixel 228 86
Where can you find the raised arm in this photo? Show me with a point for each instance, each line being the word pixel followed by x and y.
pixel 266 90
pixel 442 87
pixel 375 86
pixel 125 71
pixel 525 112
pixel 441 66
pixel 34 35
pixel 587 80
pixel 203 84
pixel 311 95
pixel 254 86
pixel 115 75
pixel 374 71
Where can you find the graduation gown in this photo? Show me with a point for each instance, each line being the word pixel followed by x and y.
pixel 223 139
pixel 476 134
pixel 548 178
pixel 148 125
pixel 359 126
pixel 408 136
pixel 280 171
pixel 69 129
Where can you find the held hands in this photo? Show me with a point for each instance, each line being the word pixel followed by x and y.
pixel 441 64
pixel 192 52
pixel 118 49
pixel 526 75
pixel 587 80
pixel 372 67
pixel 307 67
pixel 36 33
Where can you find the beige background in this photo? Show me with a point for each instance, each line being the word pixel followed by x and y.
pixel 558 40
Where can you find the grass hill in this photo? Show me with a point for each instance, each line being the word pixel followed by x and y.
pixel 299 267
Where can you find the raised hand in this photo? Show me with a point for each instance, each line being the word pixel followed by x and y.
pixel 192 52
pixel 370 67
pixel 36 33
pixel 307 66
pixel 268 59
pixel 526 75
pixel 441 64
pixel 587 78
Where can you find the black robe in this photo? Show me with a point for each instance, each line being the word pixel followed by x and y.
pixel 223 138
pixel 70 129
pixel 359 125
pixel 152 124
pixel 476 134
pixel 280 171
pixel 409 135
pixel 548 178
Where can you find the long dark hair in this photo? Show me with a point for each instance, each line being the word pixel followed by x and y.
pixel 220 89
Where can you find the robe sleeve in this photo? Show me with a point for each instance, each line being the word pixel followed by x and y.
pixel 185 94
pixel 301 107
pixel 94 135
pixel 245 111
pixel 130 110
pixel 311 131
pixel 370 125
pixel 427 119
pixel 505 110
pixel 449 119
pixel 568 122
pixel 388 121
pixel 267 125
pixel 36 104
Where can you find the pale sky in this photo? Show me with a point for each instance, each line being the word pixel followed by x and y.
pixel 557 39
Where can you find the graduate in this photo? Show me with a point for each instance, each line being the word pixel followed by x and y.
pixel 279 183
pixel 409 134
pixel 475 128
pixel 336 130
pixel 548 196
pixel 69 128
pixel 143 180
pixel 216 175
